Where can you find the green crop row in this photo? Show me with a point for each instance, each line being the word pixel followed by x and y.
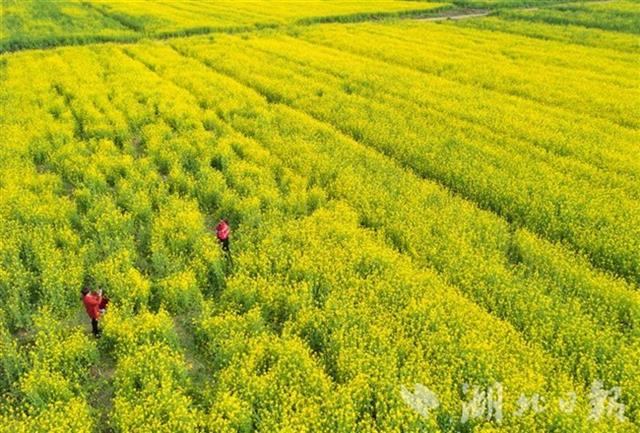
pixel 28 24
pixel 567 33
pixel 619 16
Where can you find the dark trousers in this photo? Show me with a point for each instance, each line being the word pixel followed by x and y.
pixel 94 327
pixel 225 244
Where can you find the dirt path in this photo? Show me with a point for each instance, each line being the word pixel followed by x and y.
pixel 457 15
pixel 476 13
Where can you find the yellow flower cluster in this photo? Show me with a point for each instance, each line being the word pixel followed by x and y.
pixel 47 392
pixel 127 333
pixel 149 392
pixel 396 195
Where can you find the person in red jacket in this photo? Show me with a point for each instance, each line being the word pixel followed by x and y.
pixel 222 232
pixel 92 303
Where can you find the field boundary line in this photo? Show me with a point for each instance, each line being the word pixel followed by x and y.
pixel 457 14
pixel 442 13
pixel 138 34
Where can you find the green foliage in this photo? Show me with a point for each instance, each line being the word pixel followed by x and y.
pixel 126 333
pixel 48 395
pixel 12 360
pixel 122 281
pixel 41 387
pixel 62 416
pixel 623 16
pixel 57 349
pixel 29 24
pixel 149 384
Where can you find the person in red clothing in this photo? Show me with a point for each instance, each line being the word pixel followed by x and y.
pixel 222 232
pixel 92 303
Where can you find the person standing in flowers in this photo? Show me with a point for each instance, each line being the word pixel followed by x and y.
pixel 222 232
pixel 95 304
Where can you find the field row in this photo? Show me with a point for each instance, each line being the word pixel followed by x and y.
pixel 589 24
pixel 44 23
pixel 495 149
pixel 617 16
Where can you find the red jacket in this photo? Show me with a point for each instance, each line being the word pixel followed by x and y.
pixel 222 230
pixel 92 304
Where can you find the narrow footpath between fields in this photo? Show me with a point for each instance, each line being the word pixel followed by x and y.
pixel 457 14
